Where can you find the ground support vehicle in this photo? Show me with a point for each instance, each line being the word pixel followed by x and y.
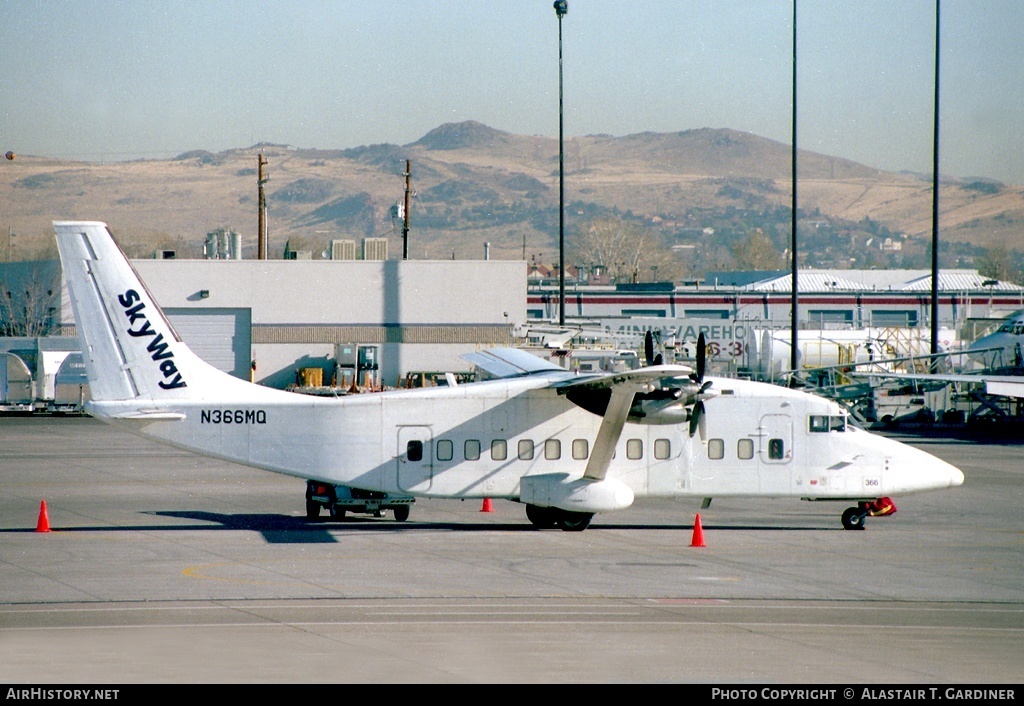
pixel 341 499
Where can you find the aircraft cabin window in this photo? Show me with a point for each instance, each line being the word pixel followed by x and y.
pixel 838 423
pixel 499 450
pixel 525 450
pixel 745 448
pixel 445 450
pixel 580 449
pixel 472 450
pixel 776 448
pixel 414 450
pixel 552 449
pixel 662 449
pixel 634 449
pixel 716 448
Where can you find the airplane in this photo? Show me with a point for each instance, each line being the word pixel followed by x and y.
pixel 1004 347
pixel 565 445
pixel 1001 357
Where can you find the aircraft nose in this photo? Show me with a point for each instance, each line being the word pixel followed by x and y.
pixel 933 473
pixel 954 476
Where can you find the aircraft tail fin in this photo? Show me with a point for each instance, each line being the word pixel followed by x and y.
pixel 130 349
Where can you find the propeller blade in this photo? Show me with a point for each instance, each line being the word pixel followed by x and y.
pixel 701 356
pixel 649 347
pixel 697 419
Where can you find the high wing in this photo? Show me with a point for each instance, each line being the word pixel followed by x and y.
pixel 657 394
pixel 617 393
pixel 510 362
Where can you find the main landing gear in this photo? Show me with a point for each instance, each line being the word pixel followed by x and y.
pixel 853 517
pixel 549 517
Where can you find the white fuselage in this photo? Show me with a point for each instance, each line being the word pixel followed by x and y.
pixel 478 440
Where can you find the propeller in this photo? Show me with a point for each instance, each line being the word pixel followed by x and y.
pixel 698 376
pixel 697 419
pixel 697 422
pixel 649 357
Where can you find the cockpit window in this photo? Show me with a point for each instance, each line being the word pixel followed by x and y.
pixel 819 423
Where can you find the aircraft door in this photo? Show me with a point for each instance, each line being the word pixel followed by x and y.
pixel 776 452
pixel 415 459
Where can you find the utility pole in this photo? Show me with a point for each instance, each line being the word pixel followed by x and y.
pixel 261 249
pixel 405 220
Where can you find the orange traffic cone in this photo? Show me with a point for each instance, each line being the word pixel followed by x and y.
pixel 487 506
pixel 43 525
pixel 698 533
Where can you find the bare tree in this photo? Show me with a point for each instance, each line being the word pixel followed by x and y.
pixel 757 252
pixel 626 251
pixel 29 299
pixel 996 263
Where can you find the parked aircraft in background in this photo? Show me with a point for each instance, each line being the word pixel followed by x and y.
pixel 563 444
pixel 1002 348
pixel 995 385
pixel 743 348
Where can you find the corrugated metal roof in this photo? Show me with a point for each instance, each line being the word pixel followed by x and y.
pixel 816 281
pixel 881 280
pixel 959 280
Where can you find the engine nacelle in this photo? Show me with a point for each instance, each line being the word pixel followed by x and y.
pixel 658 412
pixel 575 494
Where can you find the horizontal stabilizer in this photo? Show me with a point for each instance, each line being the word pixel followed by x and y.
pixel 150 415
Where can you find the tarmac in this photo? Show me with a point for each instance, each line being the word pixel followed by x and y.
pixel 163 567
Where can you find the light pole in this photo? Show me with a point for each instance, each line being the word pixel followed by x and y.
pixel 561 7
pixel 794 296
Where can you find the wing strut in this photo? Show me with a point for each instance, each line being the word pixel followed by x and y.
pixel 611 428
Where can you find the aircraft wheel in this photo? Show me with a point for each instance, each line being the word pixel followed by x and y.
pixel 574 521
pixel 312 509
pixel 541 517
pixel 853 518
pixel 401 513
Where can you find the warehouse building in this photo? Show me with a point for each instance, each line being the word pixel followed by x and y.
pixel 377 319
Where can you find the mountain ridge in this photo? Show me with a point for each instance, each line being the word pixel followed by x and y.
pixel 474 184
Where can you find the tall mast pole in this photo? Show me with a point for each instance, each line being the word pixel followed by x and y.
pixel 261 248
pixel 794 298
pixel 935 204
pixel 561 7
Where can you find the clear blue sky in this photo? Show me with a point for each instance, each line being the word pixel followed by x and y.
pixel 113 80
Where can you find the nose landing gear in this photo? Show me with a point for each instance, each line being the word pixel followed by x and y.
pixel 853 517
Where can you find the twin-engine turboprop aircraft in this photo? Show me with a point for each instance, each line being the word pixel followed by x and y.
pixel 565 445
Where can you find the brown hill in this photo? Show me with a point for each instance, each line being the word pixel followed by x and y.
pixel 474 184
